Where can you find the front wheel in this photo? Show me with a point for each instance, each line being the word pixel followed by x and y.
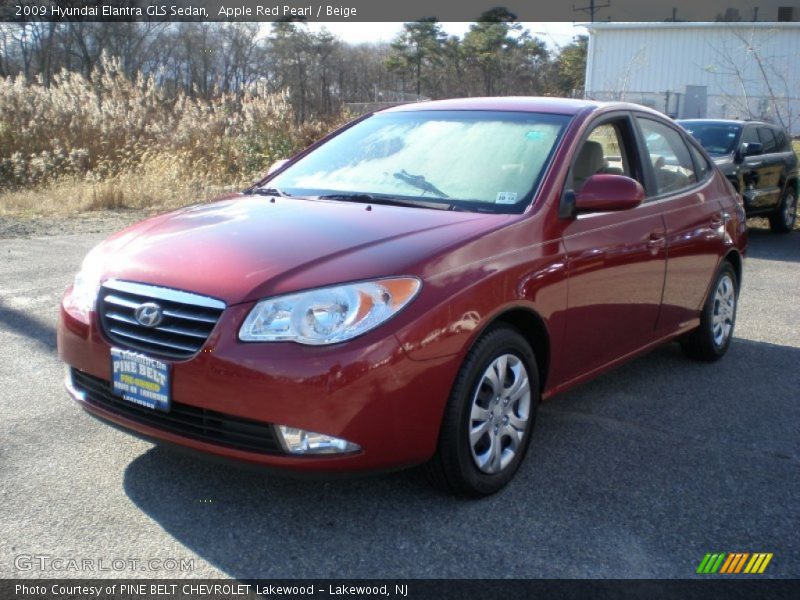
pixel 783 219
pixel 710 341
pixel 487 425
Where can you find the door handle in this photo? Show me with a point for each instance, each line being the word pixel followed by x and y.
pixel 719 220
pixel 655 241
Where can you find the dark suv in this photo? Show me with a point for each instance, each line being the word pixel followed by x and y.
pixel 758 159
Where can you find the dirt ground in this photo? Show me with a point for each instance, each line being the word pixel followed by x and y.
pixel 90 222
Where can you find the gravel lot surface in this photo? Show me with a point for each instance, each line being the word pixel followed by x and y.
pixel 104 222
pixel 636 474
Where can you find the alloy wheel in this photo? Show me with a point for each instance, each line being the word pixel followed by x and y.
pixel 724 310
pixel 790 210
pixel 499 414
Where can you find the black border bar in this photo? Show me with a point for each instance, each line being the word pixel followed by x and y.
pixel 712 588
pixel 383 10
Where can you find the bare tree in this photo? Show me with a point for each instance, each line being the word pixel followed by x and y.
pixel 761 80
pixel 318 71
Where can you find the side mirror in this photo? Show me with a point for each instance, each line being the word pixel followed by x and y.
pixel 277 165
pixel 602 192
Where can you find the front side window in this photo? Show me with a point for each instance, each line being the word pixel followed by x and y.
pixel 603 152
pixel 672 164
pixel 473 160
pixel 750 136
pixel 767 139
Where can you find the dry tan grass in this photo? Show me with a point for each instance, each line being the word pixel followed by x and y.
pixel 130 190
pixel 108 142
pixel 150 185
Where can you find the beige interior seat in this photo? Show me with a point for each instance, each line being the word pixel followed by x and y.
pixel 590 161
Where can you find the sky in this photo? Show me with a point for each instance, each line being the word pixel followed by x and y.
pixel 554 34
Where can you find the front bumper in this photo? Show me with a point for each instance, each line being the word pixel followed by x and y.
pixel 367 391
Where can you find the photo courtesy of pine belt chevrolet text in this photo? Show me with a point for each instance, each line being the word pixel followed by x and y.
pixel 408 289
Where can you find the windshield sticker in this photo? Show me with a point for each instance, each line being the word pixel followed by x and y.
pixel 506 197
pixel 535 135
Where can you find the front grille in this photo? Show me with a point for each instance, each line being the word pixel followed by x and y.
pixel 187 319
pixel 189 421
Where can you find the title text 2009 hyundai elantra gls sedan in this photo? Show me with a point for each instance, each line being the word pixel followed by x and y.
pixel 409 288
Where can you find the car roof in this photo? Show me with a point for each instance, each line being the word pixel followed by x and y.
pixel 728 122
pixel 539 104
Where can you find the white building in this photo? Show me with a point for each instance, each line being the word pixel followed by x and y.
pixel 733 70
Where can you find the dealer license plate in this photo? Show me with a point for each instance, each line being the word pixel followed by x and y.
pixel 140 379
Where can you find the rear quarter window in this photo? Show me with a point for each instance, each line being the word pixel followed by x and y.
pixel 782 140
pixel 702 167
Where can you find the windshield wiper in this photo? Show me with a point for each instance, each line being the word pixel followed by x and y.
pixel 269 191
pixel 386 200
pixel 419 182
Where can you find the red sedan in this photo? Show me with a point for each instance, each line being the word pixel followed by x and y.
pixel 408 289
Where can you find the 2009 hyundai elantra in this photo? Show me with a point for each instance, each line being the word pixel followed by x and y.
pixel 408 289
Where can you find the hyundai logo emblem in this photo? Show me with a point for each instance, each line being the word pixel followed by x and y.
pixel 148 314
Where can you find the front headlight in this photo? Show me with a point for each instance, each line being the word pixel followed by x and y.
pixel 328 315
pixel 83 297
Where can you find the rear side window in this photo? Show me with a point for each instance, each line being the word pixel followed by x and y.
pixel 767 139
pixel 672 162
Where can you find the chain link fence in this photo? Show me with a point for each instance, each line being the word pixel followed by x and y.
pixel 717 106
pixel 383 99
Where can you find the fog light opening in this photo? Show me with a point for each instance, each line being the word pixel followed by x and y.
pixel 70 385
pixel 300 441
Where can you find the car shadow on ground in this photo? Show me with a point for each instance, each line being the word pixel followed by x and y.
pixel 636 474
pixel 22 323
pixel 766 245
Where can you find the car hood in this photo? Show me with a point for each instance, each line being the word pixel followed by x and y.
pixel 246 247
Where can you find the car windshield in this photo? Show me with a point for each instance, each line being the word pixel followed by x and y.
pixel 468 160
pixel 716 138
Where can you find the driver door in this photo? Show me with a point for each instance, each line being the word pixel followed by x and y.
pixel 616 261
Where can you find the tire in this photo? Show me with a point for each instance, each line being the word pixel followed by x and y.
pixel 710 341
pixel 500 416
pixel 784 218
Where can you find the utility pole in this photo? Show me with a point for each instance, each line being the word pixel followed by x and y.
pixel 591 9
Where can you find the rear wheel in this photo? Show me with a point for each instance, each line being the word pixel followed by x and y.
pixel 710 341
pixel 783 219
pixel 486 428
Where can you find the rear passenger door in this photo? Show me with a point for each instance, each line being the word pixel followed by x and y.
pixel 680 184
